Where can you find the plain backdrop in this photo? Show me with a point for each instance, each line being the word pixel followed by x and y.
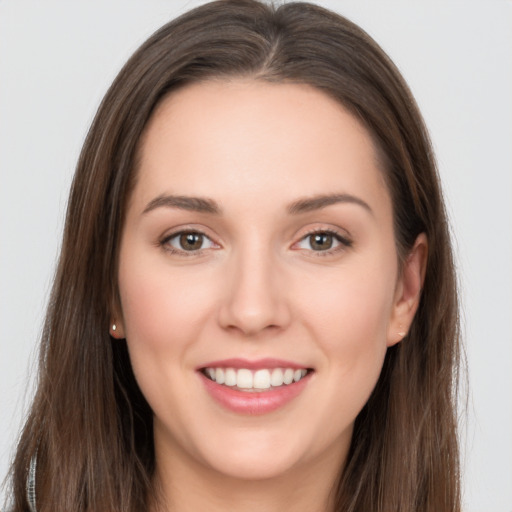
pixel 56 62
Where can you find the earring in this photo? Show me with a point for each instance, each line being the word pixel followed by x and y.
pixel 114 327
pixel 401 333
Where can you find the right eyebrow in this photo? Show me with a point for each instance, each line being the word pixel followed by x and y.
pixel 195 204
pixel 309 204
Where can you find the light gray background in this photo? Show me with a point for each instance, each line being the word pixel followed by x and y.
pixel 58 58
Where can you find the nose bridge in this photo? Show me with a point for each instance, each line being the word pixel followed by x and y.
pixel 255 297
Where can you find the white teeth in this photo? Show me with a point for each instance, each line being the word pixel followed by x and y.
pixel 288 376
pixel 255 380
pixel 277 377
pixel 261 379
pixel 220 376
pixel 230 379
pixel 298 374
pixel 244 379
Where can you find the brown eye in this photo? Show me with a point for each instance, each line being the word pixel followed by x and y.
pixel 191 241
pixel 321 241
pixel 188 242
pixel 324 242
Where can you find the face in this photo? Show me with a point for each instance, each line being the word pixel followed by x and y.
pixel 258 277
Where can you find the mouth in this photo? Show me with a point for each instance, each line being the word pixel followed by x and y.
pixel 254 387
pixel 255 380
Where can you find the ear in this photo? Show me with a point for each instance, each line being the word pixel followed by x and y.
pixel 116 327
pixel 408 291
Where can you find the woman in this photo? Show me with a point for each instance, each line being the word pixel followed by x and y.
pixel 255 304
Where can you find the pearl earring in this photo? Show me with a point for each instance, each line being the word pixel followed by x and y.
pixel 114 327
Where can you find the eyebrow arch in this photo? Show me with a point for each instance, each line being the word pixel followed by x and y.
pixel 321 201
pixel 195 204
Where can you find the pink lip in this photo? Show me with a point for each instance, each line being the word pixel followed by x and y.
pixel 253 403
pixel 252 365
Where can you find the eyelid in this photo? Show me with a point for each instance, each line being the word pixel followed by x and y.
pixel 345 241
pixel 176 232
pixel 341 236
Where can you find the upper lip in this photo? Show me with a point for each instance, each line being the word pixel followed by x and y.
pixel 255 364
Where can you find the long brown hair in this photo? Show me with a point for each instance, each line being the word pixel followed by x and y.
pixel 89 425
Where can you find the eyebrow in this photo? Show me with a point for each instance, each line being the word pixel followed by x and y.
pixel 322 201
pixel 206 205
pixel 195 204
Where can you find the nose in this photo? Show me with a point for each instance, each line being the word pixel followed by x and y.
pixel 255 297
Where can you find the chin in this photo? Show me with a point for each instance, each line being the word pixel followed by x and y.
pixel 258 455
pixel 257 467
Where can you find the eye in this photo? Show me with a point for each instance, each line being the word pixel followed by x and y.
pixel 323 241
pixel 188 241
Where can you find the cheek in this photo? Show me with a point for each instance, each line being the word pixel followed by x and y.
pixel 164 312
pixel 161 306
pixel 349 316
pixel 352 309
pixel 355 346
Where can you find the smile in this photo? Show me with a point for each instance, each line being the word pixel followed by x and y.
pixel 246 380
pixel 254 387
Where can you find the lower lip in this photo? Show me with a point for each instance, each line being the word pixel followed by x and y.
pixel 256 402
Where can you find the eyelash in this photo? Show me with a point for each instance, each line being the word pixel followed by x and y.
pixel 164 243
pixel 343 241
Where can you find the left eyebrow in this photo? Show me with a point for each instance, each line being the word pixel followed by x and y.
pixel 309 204
pixel 196 204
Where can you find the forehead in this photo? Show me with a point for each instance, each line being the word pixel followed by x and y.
pixel 257 139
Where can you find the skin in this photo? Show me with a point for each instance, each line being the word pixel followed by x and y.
pixel 258 289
